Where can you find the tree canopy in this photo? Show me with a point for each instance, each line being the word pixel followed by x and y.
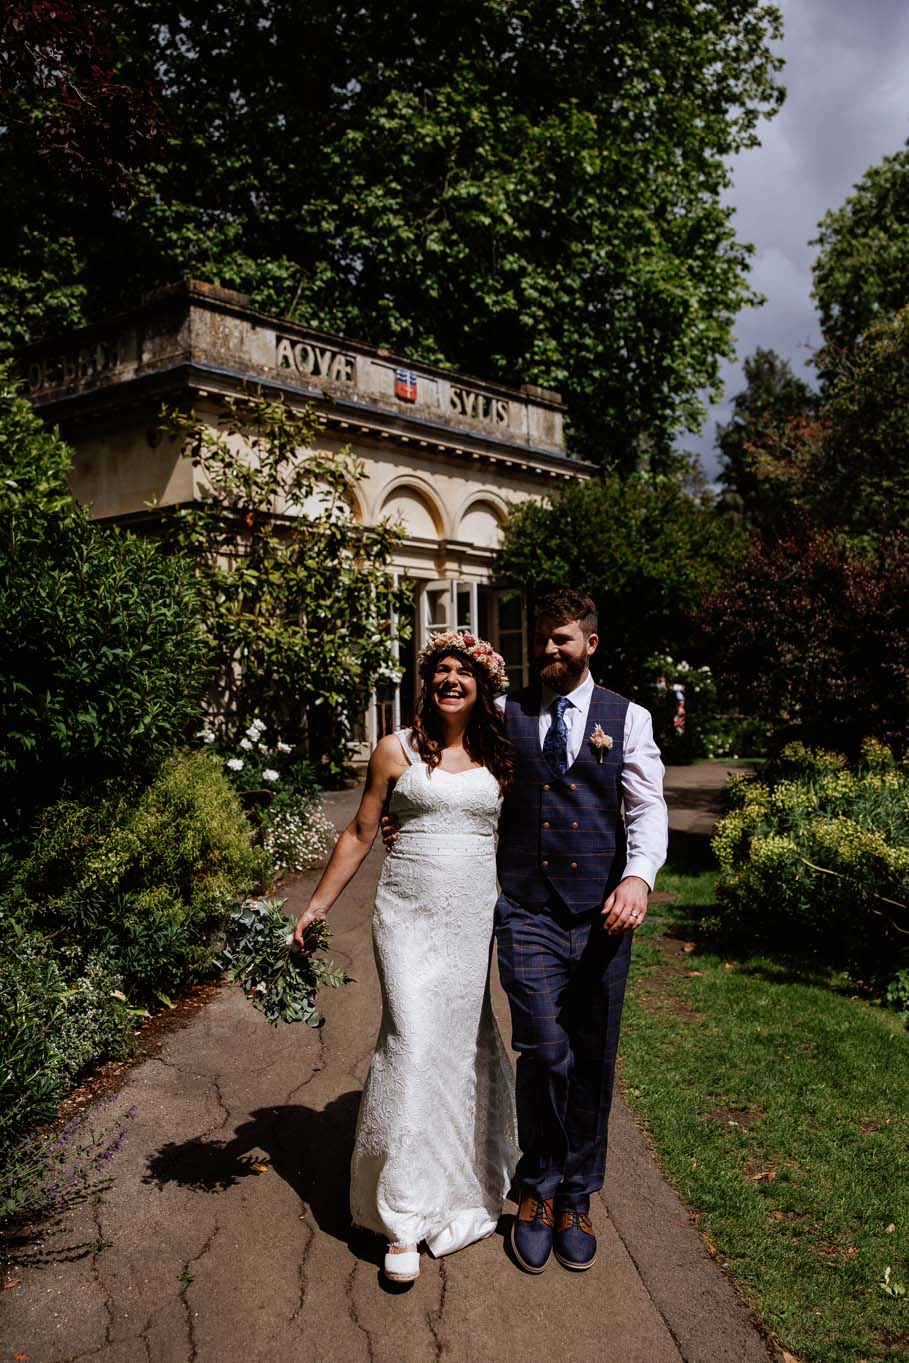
pixel 842 463
pixel 861 274
pixel 646 551
pixel 526 191
pixel 766 408
pixel 812 636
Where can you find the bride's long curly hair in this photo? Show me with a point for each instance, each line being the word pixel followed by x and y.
pixel 484 739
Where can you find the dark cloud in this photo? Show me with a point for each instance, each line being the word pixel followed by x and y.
pixel 847 78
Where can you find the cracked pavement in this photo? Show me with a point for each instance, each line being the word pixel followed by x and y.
pixel 224 1234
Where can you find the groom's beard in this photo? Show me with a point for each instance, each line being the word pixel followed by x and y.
pixel 562 675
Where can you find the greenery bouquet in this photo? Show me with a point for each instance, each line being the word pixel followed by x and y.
pixel 275 975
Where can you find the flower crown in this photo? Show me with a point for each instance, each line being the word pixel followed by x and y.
pixel 452 641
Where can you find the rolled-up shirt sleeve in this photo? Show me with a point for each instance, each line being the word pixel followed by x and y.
pixel 646 817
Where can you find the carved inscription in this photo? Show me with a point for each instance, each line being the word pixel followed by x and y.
pixel 74 366
pixel 480 406
pixel 315 361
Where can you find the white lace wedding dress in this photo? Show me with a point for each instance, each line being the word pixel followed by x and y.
pixel 436 1138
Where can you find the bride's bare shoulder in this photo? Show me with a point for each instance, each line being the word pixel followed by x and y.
pixel 388 756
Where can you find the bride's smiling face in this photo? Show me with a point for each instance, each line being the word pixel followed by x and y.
pixel 454 686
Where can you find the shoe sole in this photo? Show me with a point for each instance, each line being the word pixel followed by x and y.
pixel 528 1268
pixel 575 1268
pixel 401 1277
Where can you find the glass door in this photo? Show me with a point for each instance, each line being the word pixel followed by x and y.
pixel 509 636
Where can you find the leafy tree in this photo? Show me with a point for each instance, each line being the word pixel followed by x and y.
pixel 845 467
pixel 771 405
pixel 102 658
pixel 862 267
pixel 646 551
pixel 524 191
pixel 297 595
pixel 812 636
pixel 74 136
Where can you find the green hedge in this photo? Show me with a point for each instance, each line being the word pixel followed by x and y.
pixel 815 859
pixel 102 655
pixel 119 900
pixel 143 877
pixel 52 1030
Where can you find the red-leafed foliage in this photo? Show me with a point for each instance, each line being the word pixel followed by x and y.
pixel 59 79
pixel 813 636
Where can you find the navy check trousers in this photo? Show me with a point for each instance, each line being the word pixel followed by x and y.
pixel 565 980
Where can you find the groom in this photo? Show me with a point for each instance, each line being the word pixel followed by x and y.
pixel 582 835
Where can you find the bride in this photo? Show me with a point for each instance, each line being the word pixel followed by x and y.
pixel 436 1141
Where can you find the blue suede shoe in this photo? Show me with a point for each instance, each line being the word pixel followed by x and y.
pixel 531 1233
pixel 575 1242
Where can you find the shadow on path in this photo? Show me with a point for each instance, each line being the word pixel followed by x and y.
pixel 309 1149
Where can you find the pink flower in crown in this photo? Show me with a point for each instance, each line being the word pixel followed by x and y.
pixel 479 650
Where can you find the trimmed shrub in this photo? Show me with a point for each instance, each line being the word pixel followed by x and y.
pixel 145 877
pixel 815 860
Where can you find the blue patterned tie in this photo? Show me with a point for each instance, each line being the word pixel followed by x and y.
pixel 555 744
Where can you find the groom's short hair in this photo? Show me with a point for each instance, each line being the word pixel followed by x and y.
pixel 564 604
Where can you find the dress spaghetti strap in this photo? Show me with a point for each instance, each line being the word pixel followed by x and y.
pixel 404 737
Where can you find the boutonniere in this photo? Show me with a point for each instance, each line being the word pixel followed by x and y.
pixel 600 741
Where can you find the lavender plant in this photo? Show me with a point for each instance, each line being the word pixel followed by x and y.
pixel 45 1171
pixel 279 980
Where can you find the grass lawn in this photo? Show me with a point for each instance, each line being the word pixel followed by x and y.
pixel 778 1105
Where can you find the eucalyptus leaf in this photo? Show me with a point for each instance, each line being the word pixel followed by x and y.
pixel 278 979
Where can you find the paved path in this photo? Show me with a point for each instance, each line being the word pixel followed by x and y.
pixel 193 1254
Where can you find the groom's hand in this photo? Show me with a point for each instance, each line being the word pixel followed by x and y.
pixel 390 828
pixel 626 907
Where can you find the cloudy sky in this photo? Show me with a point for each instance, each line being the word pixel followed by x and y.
pixel 847 77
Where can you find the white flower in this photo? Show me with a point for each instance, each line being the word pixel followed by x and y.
pixel 291 942
pixel 269 774
pixel 206 735
pixel 245 744
pixel 284 747
pixel 255 730
pixel 235 763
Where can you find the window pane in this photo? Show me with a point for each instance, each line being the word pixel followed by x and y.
pixel 464 621
pixel 438 600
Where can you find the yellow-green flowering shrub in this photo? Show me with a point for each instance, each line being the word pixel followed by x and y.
pixel 815 859
pixel 145 876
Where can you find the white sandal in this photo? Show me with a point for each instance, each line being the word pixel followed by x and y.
pixel 402 1265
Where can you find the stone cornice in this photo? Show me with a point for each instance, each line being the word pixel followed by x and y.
pixel 198 339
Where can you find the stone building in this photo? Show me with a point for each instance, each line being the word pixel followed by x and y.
pixel 444 454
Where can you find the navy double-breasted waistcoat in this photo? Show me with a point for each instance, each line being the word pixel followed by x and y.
pixel 563 834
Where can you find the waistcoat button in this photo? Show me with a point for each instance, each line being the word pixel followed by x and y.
pixel 574 824
pixel 572 786
pixel 545 823
pixel 544 864
pixel 574 866
pixel 545 787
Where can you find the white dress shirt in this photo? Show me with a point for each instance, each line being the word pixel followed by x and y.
pixel 646 817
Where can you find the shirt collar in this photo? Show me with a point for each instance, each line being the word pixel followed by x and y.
pixel 579 697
